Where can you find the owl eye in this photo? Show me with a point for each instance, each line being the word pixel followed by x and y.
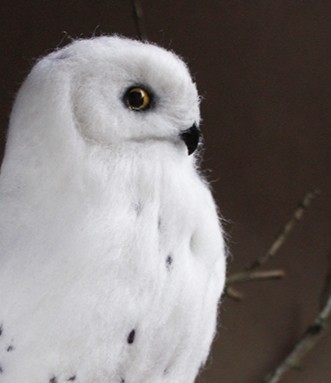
pixel 137 99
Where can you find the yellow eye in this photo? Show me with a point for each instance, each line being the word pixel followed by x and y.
pixel 137 99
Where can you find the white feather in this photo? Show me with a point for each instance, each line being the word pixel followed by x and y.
pixel 106 226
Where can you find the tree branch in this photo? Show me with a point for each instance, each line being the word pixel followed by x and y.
pixel 286 230
pixel 309 339
pixel 232 293
pixel 138 15
pixel 326 292
pixel 313 334
pixel 254 275
pixel 250 273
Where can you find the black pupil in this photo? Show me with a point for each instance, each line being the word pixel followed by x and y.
pixel 136 98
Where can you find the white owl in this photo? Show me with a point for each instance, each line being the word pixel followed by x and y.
pixel 112 259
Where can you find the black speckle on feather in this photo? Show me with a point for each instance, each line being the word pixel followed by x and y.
pixel 72 378
pixel 169 261
pixel 131 336
pixel 53 380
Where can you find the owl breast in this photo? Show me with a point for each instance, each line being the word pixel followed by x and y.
pixel 127 286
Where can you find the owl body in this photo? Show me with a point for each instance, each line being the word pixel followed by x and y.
pixel 112 258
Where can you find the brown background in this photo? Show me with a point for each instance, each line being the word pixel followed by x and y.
pixel 263 68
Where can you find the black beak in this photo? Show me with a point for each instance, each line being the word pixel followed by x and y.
pixel 191 137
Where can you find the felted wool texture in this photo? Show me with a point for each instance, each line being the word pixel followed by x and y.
pixel 112 259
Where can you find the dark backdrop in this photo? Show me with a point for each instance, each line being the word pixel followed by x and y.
pixel 263 68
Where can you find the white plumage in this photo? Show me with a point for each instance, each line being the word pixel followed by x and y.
pixel 111 254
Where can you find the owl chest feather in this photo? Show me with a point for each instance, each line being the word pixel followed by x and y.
pixel 135 266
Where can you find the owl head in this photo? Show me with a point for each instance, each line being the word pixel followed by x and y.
pixel 104 91
pixel 124 90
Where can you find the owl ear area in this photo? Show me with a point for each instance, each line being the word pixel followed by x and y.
pixel 138 98
pixel 191 138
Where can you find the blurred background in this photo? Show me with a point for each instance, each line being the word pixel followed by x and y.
pixel 263 69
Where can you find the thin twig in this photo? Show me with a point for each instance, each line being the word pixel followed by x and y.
pixel 254 275
pixel 232 293
pixel 286 230
pixel 138 15
pixel 247 276
pixel 326 292
pixel 309 339
pixel 250 273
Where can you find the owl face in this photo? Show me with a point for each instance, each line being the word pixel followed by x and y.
pixel 123 90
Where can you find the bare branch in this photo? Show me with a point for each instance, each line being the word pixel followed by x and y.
pixel 326 292
pixel 138 15
pixel 254 275
pixel 250 273
pixel 309 339
pixel 286 230
pixel 232 293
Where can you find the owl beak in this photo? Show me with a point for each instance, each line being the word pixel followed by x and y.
pixel 191 137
